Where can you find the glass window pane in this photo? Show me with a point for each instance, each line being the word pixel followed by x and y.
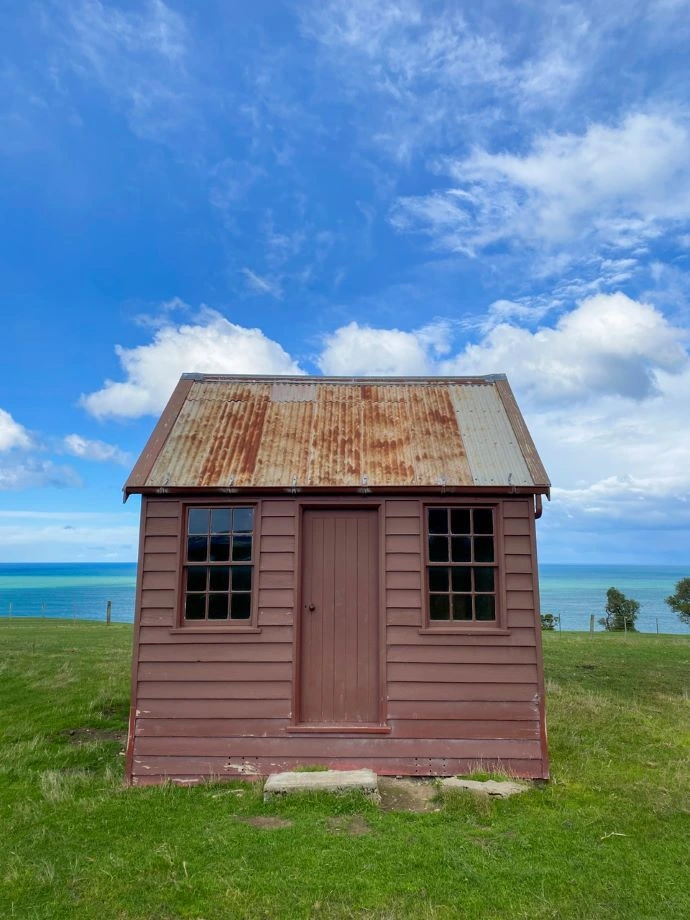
pixel 196 549
pixel 438 549
pixel 438 520
pixel 196 578
pixel 195 607
pixel 241 578
pixel 220 548
pixel 240 606
pixel 483 549
pixel 462 606
pixel 243 520
pixel 439 608
pixel 241 548
pixel 220 578
pixel 218 606
pixel 462 578
pixel 460 520
pixel 198 520
pixel 220 520
pixel 484 580
pixel 438 578
pixel 483 520
pixel 485 607
pixel 461 549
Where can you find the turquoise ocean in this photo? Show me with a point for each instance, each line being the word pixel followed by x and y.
pixel 81 591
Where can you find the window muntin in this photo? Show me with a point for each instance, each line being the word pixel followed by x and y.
pixel 218 571
pixel 462 572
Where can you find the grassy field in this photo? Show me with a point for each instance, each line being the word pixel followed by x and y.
pixel 608 837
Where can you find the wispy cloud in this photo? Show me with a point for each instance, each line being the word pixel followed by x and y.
pixel 12 434
pixel 262 285
pixel 36 473
pixel 87 449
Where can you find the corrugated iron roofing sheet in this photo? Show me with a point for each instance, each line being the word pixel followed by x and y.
pixel 233 432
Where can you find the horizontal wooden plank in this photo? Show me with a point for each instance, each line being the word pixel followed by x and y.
pixel 518 618
pixel 164 689
pixel 276 597
pixel 230 672
pixel 160 562
pixel 505 729
pixel 213 709
pixel 516 526
pixel 163 508
pixel 185 770
pixel 464 692
pixel 405 598
pixel 278 526
pixel 521 564
pixel 278 616
pixel 162 526
pixel 438 672
pixel 161 545
pixel 217 728
pixel 258 652
pixel 277 562
pixel 402 508
pixel 402 543
pixel 517 581
pixel 152 598
pixel 154 618
pixel 334 746
pixel 520 545
pixel 159 581
pixel 277 580
pixel 399 581
pixel 521 710
pixel 403 525
pixel 458 654
pixel 151 635
pixel 520 600
pixel 403 562
pixel 409 635
pixel 396 616
pixel 278 507
pixel 279 544
pixel 516 508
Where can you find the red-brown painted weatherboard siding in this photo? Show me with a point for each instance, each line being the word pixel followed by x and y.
pixel 219 704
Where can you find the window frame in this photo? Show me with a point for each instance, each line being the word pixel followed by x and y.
pixel 455 627
pixel 229 625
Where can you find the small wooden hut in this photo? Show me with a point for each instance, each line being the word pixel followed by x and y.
pixel 337 571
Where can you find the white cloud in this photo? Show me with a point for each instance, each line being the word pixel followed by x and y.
pixel 36 473
pixel 620 185
pixel 54 536
pixel 12 434
pixel 78 446
pixel 608 344
pixel 211 345
pixel 355 349
pixel 262 285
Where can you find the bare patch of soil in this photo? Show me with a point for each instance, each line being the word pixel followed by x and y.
pixel 266 823
pixel 408 794
pixel 354 825
pixel 88 735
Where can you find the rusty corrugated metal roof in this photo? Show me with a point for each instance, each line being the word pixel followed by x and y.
pixel 221 432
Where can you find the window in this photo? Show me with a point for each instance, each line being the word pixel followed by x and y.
pixel 218 564
pixel 462 574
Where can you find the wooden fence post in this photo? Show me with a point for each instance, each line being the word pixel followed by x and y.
pixel 108 609
pixel 591 624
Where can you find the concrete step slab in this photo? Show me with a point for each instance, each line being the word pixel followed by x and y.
pixel 321 781
pixel 489 787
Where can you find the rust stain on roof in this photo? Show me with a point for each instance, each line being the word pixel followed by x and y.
pixel 235 432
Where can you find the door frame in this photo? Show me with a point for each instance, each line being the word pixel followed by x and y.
pixel 339 504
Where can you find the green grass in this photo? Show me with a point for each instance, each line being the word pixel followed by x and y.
pixel 609 837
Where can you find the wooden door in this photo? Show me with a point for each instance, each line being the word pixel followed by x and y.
pixel 339 654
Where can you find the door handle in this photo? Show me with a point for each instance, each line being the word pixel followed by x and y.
pixel 311 607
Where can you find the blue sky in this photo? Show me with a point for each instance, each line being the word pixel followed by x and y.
pixel 346 187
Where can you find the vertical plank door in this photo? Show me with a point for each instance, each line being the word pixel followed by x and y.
pixel 339 654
